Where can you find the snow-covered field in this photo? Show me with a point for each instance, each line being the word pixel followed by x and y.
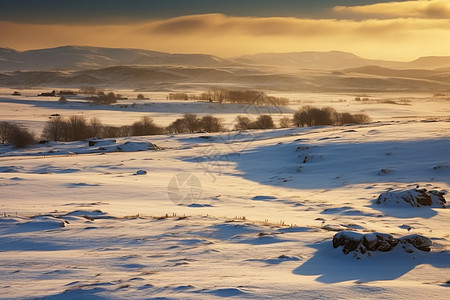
pixel 246 214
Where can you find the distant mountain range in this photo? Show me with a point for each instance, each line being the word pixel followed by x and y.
pixel 77 58
pixel 76 66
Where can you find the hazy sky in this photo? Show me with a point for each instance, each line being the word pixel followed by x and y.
pixel 401 30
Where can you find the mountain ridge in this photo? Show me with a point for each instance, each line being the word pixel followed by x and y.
pixel 74 57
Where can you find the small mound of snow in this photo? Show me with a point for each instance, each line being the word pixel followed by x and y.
pixel 90 215
pixel 413 197
pixel 137 146
pixel 227 292
pixel 101 142
pixel 10 169
pixel 40 223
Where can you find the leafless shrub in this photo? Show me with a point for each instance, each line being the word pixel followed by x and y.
pixel 264 122
pixel 5 132
pixel 103 98
pixel 55 129
pixel 285 122
pixel 96 127
pixel 313 116
pixel 145 126
pixel 21 137
pixel 242 123
pixel 211 124
pixel 89 90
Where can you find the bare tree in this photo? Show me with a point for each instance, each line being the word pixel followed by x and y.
pixel 242 123
pixel 145 126
pixel 345 118
pixel 78 128
pixel 5 132
pixel 285 122
pixel 96 127
pixel 54 129
pixel 361 118
pixel 264 122
pixel 211 124
pixel 177 126
pixel 21 137
pixel 192 122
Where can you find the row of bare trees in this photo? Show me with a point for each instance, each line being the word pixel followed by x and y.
pixel 233 96
pixel 314 116
pixel 76 128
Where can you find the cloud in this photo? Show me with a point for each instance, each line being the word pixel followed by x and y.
pixel 427 9
pixel 218 24
pixel 218 34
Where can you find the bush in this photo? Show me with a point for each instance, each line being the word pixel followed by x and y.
pixel 140 97
pixel 178 96
pixel 96 127
pixel 177 126
pixel 313 116
pixel 78 128
pixel 63 100
pixel 103 98
pixel 361 118
pixel 264 122
pixel 114 131
pixel 211 124
pixel 145 126
pixel 55 129
pixel 20 137
pixel 5 132
pixel 232 96
pixel 89 90
pixel 285 122
pixel 192 122
pixel 242 123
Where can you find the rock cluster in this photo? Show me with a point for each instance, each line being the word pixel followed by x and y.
pixel 413 197
pixel 364 243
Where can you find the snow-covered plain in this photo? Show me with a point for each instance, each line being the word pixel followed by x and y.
pixel 88 222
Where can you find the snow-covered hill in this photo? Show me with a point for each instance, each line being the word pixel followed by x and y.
pixel 248 214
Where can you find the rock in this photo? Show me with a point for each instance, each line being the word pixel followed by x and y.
pixel 358 243
pixel 418 241
pixel 370 241
pixel 414 197
pixel 438 197
pixel 141 172
pixel 349 240
pixel 384 246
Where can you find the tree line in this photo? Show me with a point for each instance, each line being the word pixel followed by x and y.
pixel 77 128
pixel 232 96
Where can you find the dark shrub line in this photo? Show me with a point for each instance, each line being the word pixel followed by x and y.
pixel 313 116
pixel 233 96
pixel 77 128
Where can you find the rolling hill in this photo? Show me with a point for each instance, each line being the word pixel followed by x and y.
pixel 76 66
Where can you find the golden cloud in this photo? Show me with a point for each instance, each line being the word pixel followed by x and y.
pixel 428 9
pixel 230 36
pixel 218 24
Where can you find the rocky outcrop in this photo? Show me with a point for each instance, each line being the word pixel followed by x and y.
pixel 359 243
pixel 413 197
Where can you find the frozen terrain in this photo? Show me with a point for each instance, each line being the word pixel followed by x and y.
pixel 247 214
